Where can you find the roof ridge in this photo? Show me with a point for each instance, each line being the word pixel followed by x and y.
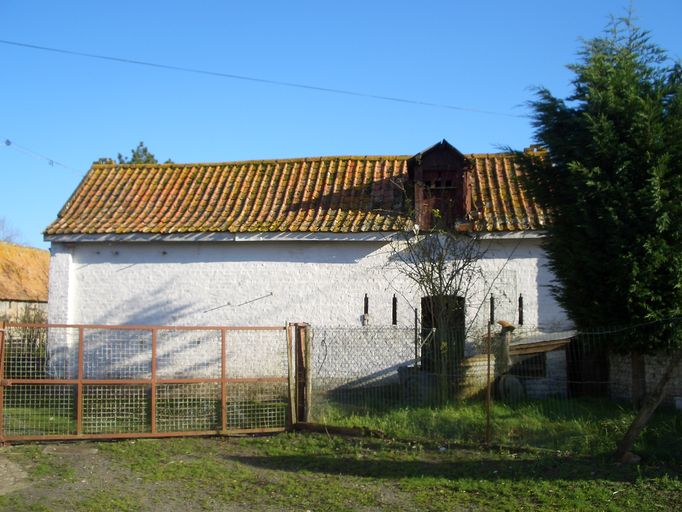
pixel 241 162
pixel 171 165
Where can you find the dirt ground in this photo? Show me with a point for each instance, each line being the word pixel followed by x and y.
pixel 80 476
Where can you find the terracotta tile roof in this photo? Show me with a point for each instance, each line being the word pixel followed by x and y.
pixel 327 194
pixel 23 273
pixel 499 201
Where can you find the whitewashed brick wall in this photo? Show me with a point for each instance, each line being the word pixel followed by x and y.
pixel 270 283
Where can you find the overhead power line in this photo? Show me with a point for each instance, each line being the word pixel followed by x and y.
pixel 51 161
pixel 259 80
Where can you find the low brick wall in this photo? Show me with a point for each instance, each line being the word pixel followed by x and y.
pixel 620 376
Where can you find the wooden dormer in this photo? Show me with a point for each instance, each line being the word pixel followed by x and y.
pixel 440 177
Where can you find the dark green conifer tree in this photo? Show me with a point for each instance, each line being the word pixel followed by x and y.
pixel 612 180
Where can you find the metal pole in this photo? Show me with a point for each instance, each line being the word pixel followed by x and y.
pixel 488 397
pixel 153 383
pixel 223 381
pixel 79 385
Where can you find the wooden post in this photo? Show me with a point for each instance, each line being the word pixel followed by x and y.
pixel 300 372
pixel 308 374
pixel 488 395
pixel 292 376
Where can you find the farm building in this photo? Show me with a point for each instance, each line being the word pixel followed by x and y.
pixel 23 282
pixel 311 240
pixel 265 242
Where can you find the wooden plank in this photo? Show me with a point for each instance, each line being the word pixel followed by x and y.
pixel 142 435
pixel 537 348
pixel 291 377
pixel 341 431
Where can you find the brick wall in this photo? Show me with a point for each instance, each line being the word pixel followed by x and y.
pixel 620 377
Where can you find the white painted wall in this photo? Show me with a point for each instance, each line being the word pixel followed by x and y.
pixel 254 283
pixel 270 283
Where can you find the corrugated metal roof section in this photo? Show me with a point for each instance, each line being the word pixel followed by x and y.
pixel 328 194
pixel 23 273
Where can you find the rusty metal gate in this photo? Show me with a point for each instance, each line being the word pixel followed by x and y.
pixel 60 382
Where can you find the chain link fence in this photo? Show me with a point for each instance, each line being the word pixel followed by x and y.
pixel 555 390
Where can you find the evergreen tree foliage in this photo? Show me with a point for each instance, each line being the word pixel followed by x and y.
pixel 612 180
pixel 139 155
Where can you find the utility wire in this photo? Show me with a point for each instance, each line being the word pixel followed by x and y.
pixel 259 80
pixel 51 161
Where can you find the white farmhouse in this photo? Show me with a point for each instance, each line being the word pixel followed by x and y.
pixel 300 240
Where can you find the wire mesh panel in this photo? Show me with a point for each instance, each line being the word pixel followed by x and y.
pixel 361 369
pixel 116 409
pixel 257 372
pixel 188 353
pixel 39 352
pixel 116 354
pixel 257 405
pixel 121 381
pixel 45 409
pixel 188 407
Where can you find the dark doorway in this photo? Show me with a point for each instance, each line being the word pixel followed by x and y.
pixel 588 368
pixel 443 350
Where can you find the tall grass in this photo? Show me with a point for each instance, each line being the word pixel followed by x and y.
pixel 578 426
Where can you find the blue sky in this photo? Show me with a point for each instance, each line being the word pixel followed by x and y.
pixel 484 55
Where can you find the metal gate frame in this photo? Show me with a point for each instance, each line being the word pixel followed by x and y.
pixel 290 330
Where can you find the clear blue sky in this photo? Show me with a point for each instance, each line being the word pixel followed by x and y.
pixel 482 55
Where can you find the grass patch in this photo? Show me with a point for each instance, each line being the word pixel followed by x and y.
pixel 578 426
pixel 125 415
pixel 320 472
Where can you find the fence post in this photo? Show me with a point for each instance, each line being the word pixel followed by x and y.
pixel 223 381
pixel 416 339
pixel 308 374
pixel 300 371
pixel 153 384
pixel 2 385
pixel 292 376
pixel 488 395
pixel 79 385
